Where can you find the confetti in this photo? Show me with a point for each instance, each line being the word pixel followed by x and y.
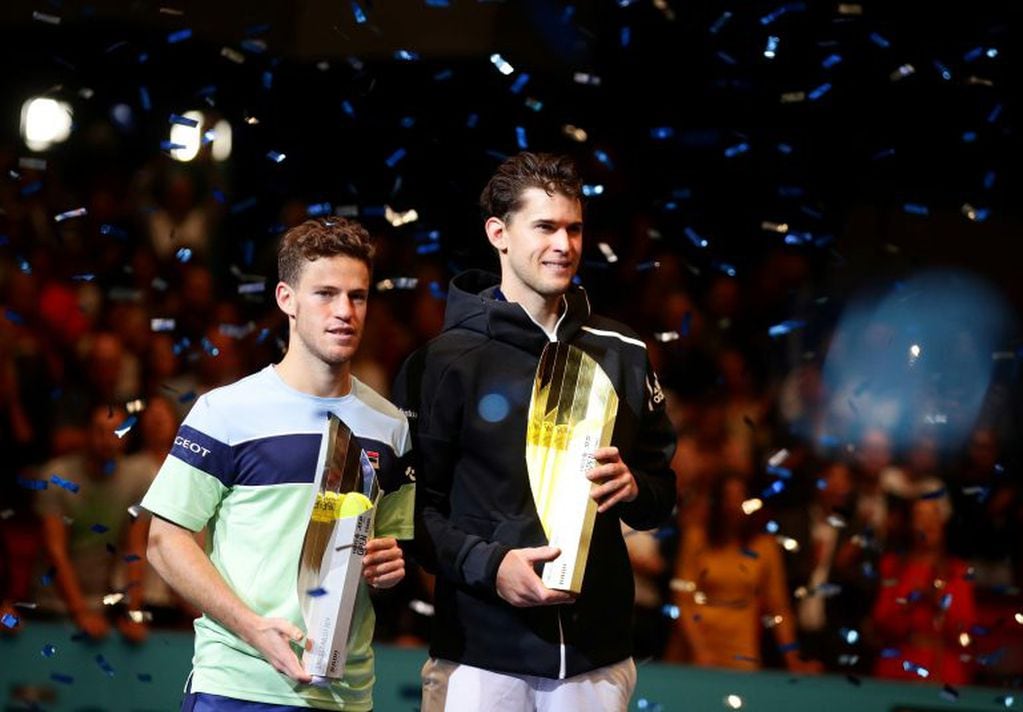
pixel 275 156
pixel 421 607
pixel 405 55
pixel 316 592
pixel 182 120
pixel 785 327
pixel 395 158
pixel 67 215
pixel 66 484
pixel 99 528
pixel 61 678
pixel 179 36
pixel 31 484
pixel 121 430
pixel 48 19
pixel 104 665
pixel 733 702
pixel 9 620
pixel 48 651
pixel 670 611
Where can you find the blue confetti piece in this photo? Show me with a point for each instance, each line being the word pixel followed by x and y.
pixel 946 601
pixel 771 50
pixel 694 237
pixel 969 136
pixel 819 91
pixel 979 630
pixel 780 472
pixel 849 635
pixel 784 148
pixel 973 54
pixel 916 209
pixel 790 191
pixel 989 180
pixel 13 316
pixel 733 151
pixel 168 145
pixel 471 120
pixel 405 55
pixel 47 578
pixel 147 104
pixel 437 292
pixel 591 190
pixel 784 9
pixel 428 248
pixel 687 321
pixel 31 484
pixel 254 46
pixel 726 268
pixel 316 592
pixel 275 156
pixel 347 107
pixel 719 23
pixel 182 120
pixel 726 58
pixel 268 80
pixel 771 527
pixel 99 528
pixel 1005 700
pixel 9 620
pixel 934 494
pixel 445 74
pixel 883 153
pixel 942 70
pixel 242 205
pixel 996 111
pixel 603 158
pixel 104 665
pixel 662 133
pixel 183 255
pixel 625 36
pixel 670 611
pixel 665 533
pixel 358 13
pixel 438 3
pixel 209 348
pixel 61 678
pixel 520 83
pixel 66 484
pixel 785 327
pixel 186 397
pixel 949 693
pixel 749 553
pixel 831 60
pixel 879 40
pixel 31 188
pixel 131 558
pixel 395 157
pixel 179 36
pixel 316 209
pixel 68 214
pixel 113 231
pixel 788 647
pixel 23 266
pixel 567 14
pixel 520 138
pixel 772 489
pixel 48 651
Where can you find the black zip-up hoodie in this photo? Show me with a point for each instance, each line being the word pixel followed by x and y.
pixel 467 395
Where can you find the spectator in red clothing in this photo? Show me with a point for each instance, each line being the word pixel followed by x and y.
pixel 925 609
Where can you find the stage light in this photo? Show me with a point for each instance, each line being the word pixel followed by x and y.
pixel 188 138
pixel 45 122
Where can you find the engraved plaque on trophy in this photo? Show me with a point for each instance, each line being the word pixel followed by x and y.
pixel 330 567
pixel 571 414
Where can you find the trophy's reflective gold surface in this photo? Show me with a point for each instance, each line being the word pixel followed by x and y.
pixel 571 414
pixel 340 524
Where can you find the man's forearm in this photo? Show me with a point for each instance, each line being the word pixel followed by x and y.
pixel 176 556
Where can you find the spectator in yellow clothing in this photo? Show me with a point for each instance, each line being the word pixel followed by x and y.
pixel 730 581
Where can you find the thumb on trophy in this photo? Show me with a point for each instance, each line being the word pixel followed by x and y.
pixel 540 554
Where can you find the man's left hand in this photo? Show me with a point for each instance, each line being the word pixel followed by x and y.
pixel 384 563
pixel 613 479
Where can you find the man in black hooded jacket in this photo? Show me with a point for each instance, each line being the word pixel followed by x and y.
pixel 501 639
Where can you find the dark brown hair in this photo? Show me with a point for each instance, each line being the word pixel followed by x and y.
pixel 502 195
pixel 322 237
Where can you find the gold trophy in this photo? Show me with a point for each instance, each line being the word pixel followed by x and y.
pixel 571 414
pixel 330 568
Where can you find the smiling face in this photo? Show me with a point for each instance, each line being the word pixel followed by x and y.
pixel 326 309
pixel 539 245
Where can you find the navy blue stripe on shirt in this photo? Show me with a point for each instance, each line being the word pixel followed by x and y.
pixel 279 459
pixel 205 453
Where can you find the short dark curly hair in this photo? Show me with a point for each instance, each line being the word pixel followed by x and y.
pixel 552 173
pixel 322 237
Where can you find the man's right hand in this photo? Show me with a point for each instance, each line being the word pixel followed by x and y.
pixel 273 638
pixel 518 584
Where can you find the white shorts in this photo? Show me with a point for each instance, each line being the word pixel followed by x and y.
pixel 453 687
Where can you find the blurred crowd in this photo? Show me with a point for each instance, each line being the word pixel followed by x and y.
pixel 803 539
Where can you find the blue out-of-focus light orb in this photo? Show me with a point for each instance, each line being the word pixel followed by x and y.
pixel 919 356
pixel 493 407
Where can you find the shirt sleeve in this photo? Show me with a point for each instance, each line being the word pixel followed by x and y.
pixel 197 473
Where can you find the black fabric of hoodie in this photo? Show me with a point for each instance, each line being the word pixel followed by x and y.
pixel 473 499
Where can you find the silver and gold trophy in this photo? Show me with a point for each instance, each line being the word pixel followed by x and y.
pixel 340 524
pixel 571 414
